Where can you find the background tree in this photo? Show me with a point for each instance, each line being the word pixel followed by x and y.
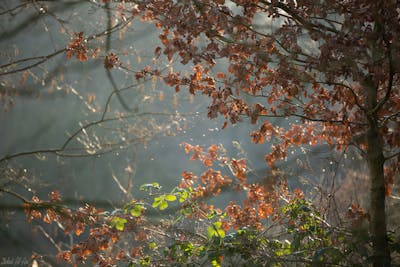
pixel 332 64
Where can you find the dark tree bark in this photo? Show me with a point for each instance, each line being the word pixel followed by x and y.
pixel 375 159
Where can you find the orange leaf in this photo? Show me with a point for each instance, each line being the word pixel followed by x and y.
pixel 187 175
pixel 187 148
pixel 79 229
pixel 265 210
pixel 213 151
pixel 207 162
pixel 87 252
pixel 221 75
pixel 257 138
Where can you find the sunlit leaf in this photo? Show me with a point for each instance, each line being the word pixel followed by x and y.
pixel 157 201
pixel 170 197
pixel 136 210
pixel 215 230
pixel 183 196
pixel 152 245
pixel 215 263
pixel 118 223
pixel 163 205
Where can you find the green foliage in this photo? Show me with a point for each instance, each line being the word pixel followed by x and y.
pixel 134 209
pixel 161 201
pixel 183 195
pixel 215 231
pixel 118 223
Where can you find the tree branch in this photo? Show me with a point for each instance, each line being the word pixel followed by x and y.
pixel 311 119
pixel 42 59
pixel 58 151
pixel 390 82
pixel 107 50
pixel 23 199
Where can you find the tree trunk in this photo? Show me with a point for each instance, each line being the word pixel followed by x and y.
pixel 375 158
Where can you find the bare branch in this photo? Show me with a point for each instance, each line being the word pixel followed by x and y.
pixel 23 199
pixel 12 9
pixel 41 59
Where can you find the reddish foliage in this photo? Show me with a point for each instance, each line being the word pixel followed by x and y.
pixel 77 47
pixel 261 202
pixel 110 61
pixel 294 79
pixel 98 245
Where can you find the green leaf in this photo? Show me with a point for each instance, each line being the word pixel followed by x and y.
pixel 187 247
pixel 145 261
pixel 183 196
pixel 170 197
pixel 136 210
pixel 163 205
pixel 157 202
pixel 187 211
pixel 217 225
pixel 152 245
pixel 211 214
pixel 215 263
pixel 215 230
pixel 211 232
pixel 286 245
pixel 118 223
pixel 161 202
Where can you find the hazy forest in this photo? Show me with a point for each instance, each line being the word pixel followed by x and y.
pixel 199 133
